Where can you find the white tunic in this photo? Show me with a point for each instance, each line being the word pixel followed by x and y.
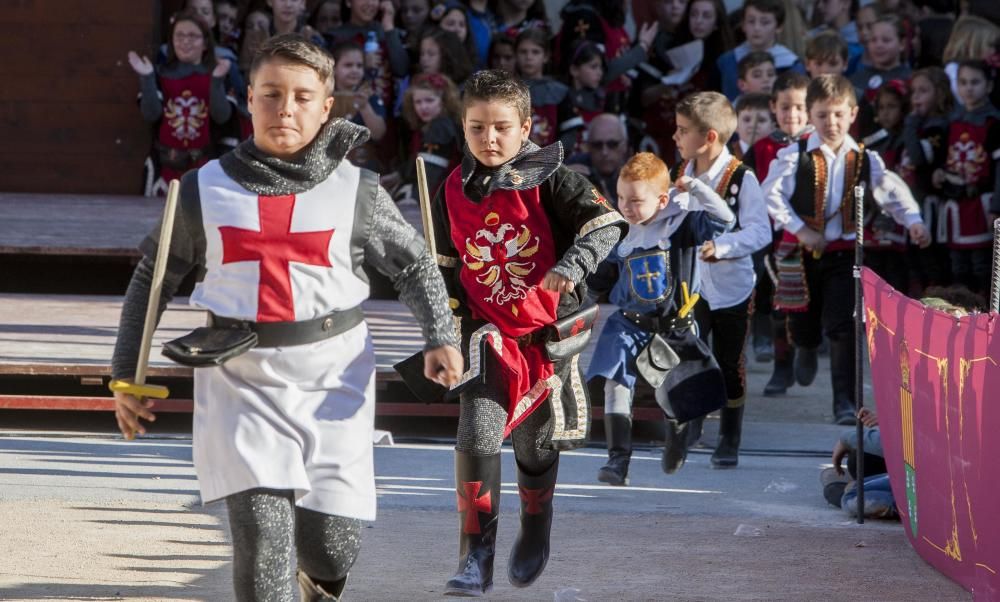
pixel 301 417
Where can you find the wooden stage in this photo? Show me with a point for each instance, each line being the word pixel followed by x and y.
pixel 71 338
pixel 55 349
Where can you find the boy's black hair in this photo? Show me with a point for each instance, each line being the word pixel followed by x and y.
pixel 978 65
pixel 789 80
pixel 827 45
pixel 500 86
pixel 774 7
pixel 754 101
pixel 937 6
pixel 342 48
pixel 751 60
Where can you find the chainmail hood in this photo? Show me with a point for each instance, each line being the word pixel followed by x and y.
pixel 531 166
pixel 264 174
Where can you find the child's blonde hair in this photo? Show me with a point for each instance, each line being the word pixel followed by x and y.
pixel 440 85
pixel 710 111
pixel 646 167
pixel 293 48
pixel 830 88
pixel 971 38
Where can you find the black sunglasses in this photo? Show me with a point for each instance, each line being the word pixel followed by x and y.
pixel 608 144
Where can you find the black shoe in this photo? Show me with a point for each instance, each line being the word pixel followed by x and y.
pixel 618 432
pixel 675 447
pixel 806 363
pixel 530 553
pixel 477 480
pixel 783 375
pixel 730 431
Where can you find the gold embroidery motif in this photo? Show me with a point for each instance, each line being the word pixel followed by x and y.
pixel 500 256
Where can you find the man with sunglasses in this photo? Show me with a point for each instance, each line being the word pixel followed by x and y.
pixel 607 152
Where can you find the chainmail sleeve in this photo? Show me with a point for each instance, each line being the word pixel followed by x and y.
pixel 396 250
pixel 126 354
pixel 586 253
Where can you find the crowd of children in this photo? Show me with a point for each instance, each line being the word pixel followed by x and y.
pixel 401 67
pixel 740 204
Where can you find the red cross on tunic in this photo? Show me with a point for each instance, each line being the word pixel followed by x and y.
pixel 472 505
pixel 533 498
pixel 275 246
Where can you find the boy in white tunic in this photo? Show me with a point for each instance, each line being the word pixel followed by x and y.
pixel 277 233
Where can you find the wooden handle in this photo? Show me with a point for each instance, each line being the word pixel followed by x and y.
pixel 425 207
pixel 159 269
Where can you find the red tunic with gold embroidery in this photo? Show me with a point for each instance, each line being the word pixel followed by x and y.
pixel 185 123
pixel 496 251
pixel 506 248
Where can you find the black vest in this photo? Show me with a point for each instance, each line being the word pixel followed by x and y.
pixel 811 210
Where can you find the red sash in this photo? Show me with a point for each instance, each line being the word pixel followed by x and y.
pixel 505 243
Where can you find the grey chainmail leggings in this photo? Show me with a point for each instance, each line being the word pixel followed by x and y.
pixel 269 531
pixel 483 416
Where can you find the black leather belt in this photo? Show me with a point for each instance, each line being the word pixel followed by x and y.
pixel 287 334
pixel 657 323
pixel 541 335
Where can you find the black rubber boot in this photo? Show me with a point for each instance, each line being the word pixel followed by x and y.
pixel 727 452
pixel 842 378
pixel 806 363
pixel 618 432
pixel 675 446
pixel 311 591
pixel 530 553
pixel 784 361
pixel 477 481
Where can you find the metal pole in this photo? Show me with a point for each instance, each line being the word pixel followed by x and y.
pixel 995 282
pixel 859 341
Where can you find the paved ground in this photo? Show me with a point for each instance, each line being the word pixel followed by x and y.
pixel 89 517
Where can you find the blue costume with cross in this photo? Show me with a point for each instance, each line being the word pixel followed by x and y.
pixel 644 274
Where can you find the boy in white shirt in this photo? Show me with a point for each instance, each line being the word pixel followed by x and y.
pixel 705 121
pixel 810 194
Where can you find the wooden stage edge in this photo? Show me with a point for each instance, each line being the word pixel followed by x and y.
pixel 106 404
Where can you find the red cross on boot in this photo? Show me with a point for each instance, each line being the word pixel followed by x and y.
pixel 471 503
pixel 477 488
pixel 531 548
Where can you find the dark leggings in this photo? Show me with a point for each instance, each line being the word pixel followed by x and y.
pixel 483 416
pixel 269 531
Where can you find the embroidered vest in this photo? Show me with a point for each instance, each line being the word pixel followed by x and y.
pixel 809 198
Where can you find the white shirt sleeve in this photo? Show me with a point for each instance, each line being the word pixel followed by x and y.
pixel 710 201
pixel 755 229
pixel 779 187
pixel 892 194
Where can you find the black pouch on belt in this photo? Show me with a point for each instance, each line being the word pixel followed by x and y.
pixel 210 346
pixel 569 336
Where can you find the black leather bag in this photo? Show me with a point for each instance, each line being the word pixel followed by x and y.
pixel 656 360
pixel 694 387
pixel 210 346
pixel 570 335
